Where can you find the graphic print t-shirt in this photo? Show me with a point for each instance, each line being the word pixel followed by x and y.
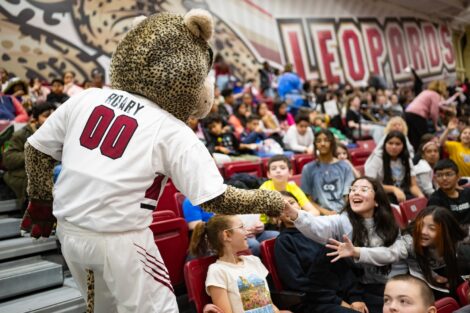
pixel 245 283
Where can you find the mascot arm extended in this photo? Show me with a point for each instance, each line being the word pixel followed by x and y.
pixel 239 201
pixel 38 218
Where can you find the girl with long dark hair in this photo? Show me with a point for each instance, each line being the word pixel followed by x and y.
pixel 433 249
pixel 366 219
pixel 394 169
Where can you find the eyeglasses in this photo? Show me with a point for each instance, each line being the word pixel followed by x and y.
pixel 242 226
pixel 362 189
pixel 445 174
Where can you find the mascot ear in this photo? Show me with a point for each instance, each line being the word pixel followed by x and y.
pixel 200 23
pixel 137 20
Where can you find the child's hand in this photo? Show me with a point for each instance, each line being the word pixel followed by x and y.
pixel 400 195
pixel 360 307
pixel 343 249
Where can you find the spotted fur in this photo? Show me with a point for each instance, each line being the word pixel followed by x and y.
pixel 90 297
pixel 39 168
pixel 163 61
pixel 238 201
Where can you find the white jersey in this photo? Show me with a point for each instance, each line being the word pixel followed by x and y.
pixel 117 151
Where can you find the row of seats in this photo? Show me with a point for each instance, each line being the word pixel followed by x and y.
pixel 259 168
pixel 195 272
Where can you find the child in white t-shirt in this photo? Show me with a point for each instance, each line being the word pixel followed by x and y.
pixel 235 283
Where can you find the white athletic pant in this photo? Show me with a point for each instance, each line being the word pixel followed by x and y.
pixel 129 274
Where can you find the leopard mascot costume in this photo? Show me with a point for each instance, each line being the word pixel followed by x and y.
pixel 118 147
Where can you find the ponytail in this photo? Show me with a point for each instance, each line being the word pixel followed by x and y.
pixel 206 236
pixel 199 245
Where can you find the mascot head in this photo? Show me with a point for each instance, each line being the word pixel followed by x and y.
pixel 166 58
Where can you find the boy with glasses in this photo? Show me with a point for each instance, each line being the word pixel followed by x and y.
pixel 449 194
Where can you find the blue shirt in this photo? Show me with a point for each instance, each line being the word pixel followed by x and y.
pixel 194 212
pixel 327 183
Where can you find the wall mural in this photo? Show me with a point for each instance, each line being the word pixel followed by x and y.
pixel 44 38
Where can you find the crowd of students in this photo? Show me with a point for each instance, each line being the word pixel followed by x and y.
pixel 338 239
pixel 422 150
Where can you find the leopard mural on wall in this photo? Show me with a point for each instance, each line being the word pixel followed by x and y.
pixel 31 49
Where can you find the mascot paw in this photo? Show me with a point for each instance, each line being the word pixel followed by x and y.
pixel 38 219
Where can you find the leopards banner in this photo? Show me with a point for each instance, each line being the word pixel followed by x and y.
pixel 337 40
pixel 347 50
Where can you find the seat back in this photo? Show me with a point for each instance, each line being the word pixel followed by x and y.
pixel 179 198
pixel 172 240
pixel 163 215
pixel 195 272
pixel 300 160
pixel 361 169
pixel 267 256
pixel 167 198
pixel 297 179
pixel 462 292
pixel 446 305
pixel 359 156
pixel 411 208
pixel 366 144
pixel 399 218
pixel 252 168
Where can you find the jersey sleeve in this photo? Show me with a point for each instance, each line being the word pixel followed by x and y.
pixel 49 138
pixel 183 157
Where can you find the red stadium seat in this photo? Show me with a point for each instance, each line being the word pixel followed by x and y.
pixel 462 292
pixel 179 198
pixel 361 169
pixel 282 298
pixel 300 160
pixel 167 198
pixel 359 156
pixel 366 144
pixel 267 255
pixel 397 213
pixel 195 272
pixel 411 208
pixel 252 168
pixel 446 305
pixel 171 238
pixel 163 215
pixel 297 179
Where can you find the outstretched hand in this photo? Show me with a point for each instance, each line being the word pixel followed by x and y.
pixel 342 249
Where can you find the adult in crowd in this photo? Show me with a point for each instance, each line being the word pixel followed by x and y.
pixel 425 107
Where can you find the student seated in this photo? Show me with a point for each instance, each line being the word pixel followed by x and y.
pixel 330 287
pixel 299 137
pixel 459 151
pixel 434 251
pixel 342 153
pixel 394 169
pixel 408 294
pixel 234 283
pixel 224 145
pixel 366 219
pixel 450 195
pixel 279 173
pixel 428 155
pixel 326 180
